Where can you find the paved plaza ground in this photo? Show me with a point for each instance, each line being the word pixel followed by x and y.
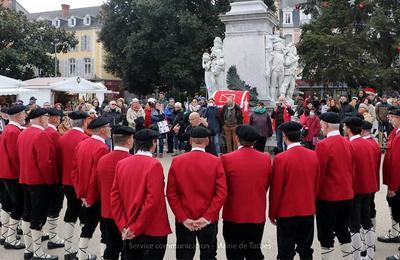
pixel 269 240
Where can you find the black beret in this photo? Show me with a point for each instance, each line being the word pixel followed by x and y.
pixel 247 133
pixel 4 110
pixel 366 125
pixel 290 126
pixel 77 115
pixel 330 117
pixel 353 121
pixel 146 134
pixel 395 112
pixel 355 113
pixel 123 130
pixel 98 122
pixel 37 112
pixel 54 112
pixel 15 110
pixel 199 132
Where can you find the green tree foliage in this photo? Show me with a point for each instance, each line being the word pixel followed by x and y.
pixel 355 42
pixel 235 83
pixel 26 45
pixel 159 43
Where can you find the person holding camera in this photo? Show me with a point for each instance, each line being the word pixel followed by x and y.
pixel 282 113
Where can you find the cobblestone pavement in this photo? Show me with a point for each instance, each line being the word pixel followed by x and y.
pixel 269 246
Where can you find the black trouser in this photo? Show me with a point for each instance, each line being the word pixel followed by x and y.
pixel 56 200
pixel 333 218
pixel 16 197
pixel 394 204
pixel 372 208
pixel 360 216
pixel 5 199
pixel 186 242
pixel 260 144
pixel 295 234
pixel 89 218
pixel 170 141
pixel 36 205
pixel 73 204
pixel 113 239
pixel 144 247
pixel 243 241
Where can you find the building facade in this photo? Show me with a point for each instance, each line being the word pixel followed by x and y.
pixel 87 58
pixel 14 5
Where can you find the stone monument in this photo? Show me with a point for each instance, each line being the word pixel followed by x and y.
pixel 246 45
pixel 214 66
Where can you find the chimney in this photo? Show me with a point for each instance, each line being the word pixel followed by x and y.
pixel 65 10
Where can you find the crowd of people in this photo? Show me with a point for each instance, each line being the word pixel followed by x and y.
pixel 103 161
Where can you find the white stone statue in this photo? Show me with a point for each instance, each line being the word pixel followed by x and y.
pixel 214 66
pixel 277 68
pixel 291 63
pixel 268 63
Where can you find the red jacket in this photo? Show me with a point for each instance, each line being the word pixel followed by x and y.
pixel 394 164
pixel 388 157
pixel 9 159
pixel 247 184
pixel 294 189
pixel 35 153
pixel 337 169
pixel 84 165
pixel 147 118
pixel 314 128
pixel 137 197
pixel 365 165
pixel 377 155
pixel 56 156
pixel 105 177
pixel 196 186
pixel 68 142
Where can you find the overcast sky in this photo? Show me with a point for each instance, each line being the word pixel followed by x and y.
pixel 34 6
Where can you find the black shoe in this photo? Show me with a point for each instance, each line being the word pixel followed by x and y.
pixel 170 151
pixel 52 245
pixel 364 253
pixel 19 231
pixel 49 257
pixel 387 239
pixel 45 237
pixel 71 256
pixel 11 246
pixel 28 256
pixel 2 241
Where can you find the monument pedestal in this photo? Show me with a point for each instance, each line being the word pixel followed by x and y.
pixel 247 24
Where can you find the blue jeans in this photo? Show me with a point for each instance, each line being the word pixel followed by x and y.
pixel 279 140
pixel 215 139
pixel 161 145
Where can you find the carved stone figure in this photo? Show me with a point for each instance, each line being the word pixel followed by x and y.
pixel 214 66
pixel 277 68
pixel 291 63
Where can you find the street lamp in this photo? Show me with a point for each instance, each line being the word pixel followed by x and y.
pixel 56 43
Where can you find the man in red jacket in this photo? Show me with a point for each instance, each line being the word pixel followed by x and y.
pixel 197 209
pixel 393 165
pixel 138 202
pixel 335 195
pixel 9 176
pixel 365 185
pixel 123 142
pixel 393 235
pixel 292 195
pixel 245 205
pixel 366 134
pixel 84 165
pixel 68 142
pixel 56 196
pixel 36 177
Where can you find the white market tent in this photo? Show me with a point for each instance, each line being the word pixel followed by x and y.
pixel 10 86
pixel 46 88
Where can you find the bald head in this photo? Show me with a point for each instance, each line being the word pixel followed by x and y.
pixel 194 119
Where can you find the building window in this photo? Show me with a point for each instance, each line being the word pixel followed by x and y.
pixel 72 22
pixel 88 65
pixel 87 20
pixel 304 18
pixel 85 43
pixel 287 18
pixel 288 38
pixel 56 23
pixel 72 66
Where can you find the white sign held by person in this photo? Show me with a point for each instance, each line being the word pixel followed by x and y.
pixel 163 127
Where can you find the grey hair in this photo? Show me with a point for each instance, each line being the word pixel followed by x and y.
pixel 77 122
